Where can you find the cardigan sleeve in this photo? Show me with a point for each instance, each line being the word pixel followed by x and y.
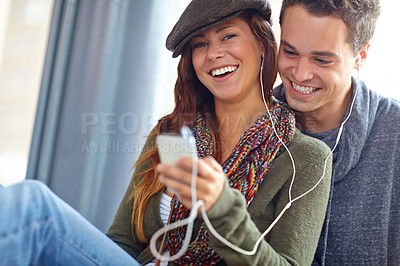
pixel 294 238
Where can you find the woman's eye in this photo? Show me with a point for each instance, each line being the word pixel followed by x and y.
pixel 198 45
pixel 229 36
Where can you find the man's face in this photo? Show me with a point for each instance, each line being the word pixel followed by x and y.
pixel 315 62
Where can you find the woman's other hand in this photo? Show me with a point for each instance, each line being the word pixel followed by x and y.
pixel 209 185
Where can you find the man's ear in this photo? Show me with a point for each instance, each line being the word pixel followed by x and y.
pixel 363 54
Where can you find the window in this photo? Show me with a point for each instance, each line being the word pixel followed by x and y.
pixel 23 35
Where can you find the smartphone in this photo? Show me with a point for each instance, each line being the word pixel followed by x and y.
pixel 172 147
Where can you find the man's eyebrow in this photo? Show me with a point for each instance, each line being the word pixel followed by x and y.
pixel 285 43
pixel 318 53
pixel 324 53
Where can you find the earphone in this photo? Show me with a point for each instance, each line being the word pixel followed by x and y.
pixel 200 204
pixel 359 62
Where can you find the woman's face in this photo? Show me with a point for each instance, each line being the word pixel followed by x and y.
pixel 227 60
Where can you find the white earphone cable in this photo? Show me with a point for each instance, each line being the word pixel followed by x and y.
pixel 200 204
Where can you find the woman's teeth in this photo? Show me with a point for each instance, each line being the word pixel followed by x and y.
pixel 303 90
pixel 223 70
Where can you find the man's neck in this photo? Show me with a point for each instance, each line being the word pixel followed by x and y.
pixel 325 118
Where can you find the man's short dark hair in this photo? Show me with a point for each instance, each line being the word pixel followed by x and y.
pixel 359 15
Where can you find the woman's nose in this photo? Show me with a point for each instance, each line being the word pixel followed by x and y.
pixel 215 51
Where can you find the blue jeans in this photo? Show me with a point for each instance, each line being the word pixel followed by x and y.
pixel 38 228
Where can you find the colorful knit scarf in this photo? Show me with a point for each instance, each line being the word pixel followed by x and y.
pixel 245 169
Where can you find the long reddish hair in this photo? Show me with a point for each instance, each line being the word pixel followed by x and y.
pixel 192 97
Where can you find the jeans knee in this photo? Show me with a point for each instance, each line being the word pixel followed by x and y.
pixel 35 194
pixel 34 186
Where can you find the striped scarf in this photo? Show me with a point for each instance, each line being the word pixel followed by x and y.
pixel 245 169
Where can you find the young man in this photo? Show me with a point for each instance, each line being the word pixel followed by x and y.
pixel 322 42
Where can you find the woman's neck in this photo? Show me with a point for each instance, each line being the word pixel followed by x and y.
pixel 233 121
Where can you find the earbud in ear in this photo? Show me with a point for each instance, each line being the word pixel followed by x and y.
pixel 262 61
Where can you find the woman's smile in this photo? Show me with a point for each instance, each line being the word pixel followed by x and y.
pixel 220 72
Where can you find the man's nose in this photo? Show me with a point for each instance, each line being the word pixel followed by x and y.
pixel 302 70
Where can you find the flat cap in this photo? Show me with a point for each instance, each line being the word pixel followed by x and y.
pixel 204 14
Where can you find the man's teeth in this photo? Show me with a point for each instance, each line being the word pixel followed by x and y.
pixel 223 70
pixel 304 90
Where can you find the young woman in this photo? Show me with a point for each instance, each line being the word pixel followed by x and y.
pixel 227 69
pixel 245 174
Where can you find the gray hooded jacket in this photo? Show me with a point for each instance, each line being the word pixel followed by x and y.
pixel 362 225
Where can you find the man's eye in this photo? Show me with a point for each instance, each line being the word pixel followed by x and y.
pixel 323 61
pixel 289 52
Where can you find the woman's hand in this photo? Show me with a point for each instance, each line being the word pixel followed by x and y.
pixel 209 185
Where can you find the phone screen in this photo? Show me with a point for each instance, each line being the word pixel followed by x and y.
pixel 172 147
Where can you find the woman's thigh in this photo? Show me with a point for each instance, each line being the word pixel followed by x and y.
pixel 37 227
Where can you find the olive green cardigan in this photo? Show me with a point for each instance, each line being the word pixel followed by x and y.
pixel 293 240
